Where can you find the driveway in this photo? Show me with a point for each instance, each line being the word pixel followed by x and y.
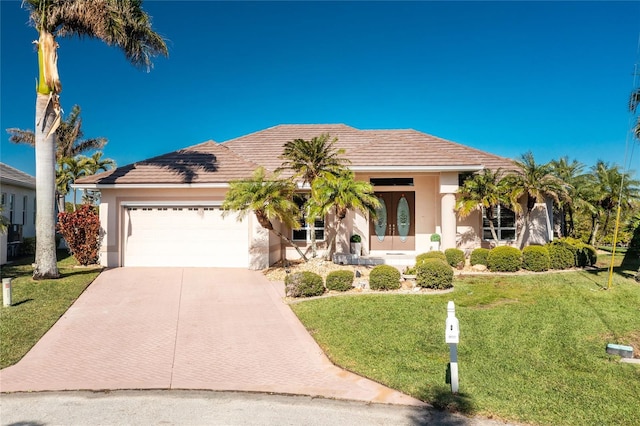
pixel 186 328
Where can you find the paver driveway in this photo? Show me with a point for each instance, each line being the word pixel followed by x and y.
pixel 185 328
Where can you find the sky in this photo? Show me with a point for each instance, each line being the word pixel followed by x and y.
pixel 553 78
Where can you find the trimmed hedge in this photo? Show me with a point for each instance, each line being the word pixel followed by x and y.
pixel 479 257
pixel 340 280
pixel 536 258
pixel 303 284
pixel 504 259
pixel 435 274
pixel 563 256
pixel 384 277
pixel 430 255
pixel 585 255
pixel 455 257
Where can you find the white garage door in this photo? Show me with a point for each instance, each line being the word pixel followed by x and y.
pixel 184 236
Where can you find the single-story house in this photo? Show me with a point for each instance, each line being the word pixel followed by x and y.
pixel 19 208
pixel 165 211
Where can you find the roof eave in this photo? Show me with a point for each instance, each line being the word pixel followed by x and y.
pixel 147 185
pixel 466 168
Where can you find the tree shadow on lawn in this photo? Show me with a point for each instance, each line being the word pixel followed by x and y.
pixel 448 408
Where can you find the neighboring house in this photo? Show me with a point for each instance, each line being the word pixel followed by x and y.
pixel 19 207
pixel 164 211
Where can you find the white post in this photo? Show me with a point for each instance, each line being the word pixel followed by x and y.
pixel 6 292
pixel 452 337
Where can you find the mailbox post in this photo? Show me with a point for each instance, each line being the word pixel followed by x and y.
pixel 6 292
pixel 452 337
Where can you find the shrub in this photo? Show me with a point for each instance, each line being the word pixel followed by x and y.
pixel 384 277
pixel 340 280
pixel 479 257
pixel 409 270
pixel 504 259
pixel 303 284
pixel 430 255
pixel 455 257
pixel 434 273
pixel 585 255
pixel 28 246
pixel 81 231
pixel 562 257
pixel 535 258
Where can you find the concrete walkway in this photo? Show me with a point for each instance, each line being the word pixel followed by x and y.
pixel 191 328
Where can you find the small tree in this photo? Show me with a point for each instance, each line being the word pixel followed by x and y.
pixel 268 199
pixel 81 231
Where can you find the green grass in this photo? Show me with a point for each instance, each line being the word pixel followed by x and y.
pixel 532 348
pixel 37 305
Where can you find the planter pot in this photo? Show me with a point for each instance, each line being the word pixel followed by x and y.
pixel 435 246
pixel 356 249
pixel 408 277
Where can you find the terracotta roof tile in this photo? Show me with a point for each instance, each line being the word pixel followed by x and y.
pixel 211 162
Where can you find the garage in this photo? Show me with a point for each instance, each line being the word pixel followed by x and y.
pixel 183 236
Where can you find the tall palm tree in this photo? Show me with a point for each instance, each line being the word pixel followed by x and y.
pixel 311 158
pixel 120 23
pixel 535 183
pixel 269 198
pixel 485 190
pixel 634 101
pixel 70 143
pixel 341 193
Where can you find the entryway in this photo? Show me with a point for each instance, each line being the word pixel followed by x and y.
pixel 394 227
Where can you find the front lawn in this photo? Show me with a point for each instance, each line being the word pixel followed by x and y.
pixel 532 347
pixel 37 305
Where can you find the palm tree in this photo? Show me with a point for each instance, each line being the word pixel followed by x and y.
pixel 70 169
pixel 311 158
pixel 612 188
pixel 93 165
pixel 535 183
pixel 634 101
pixel 268 198
pixel 341 193
pixel 485 190
pixel 70 143
pixel 571 173
pixel 120 23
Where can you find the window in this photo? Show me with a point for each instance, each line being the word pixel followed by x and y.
pixel 304 232
pixel 4 199
pixel 504 222
pixel 25 200
pixel 12 206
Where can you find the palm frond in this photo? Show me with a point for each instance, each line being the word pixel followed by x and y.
pixel 20 136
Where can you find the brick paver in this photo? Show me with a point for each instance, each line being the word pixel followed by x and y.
pixel 185 328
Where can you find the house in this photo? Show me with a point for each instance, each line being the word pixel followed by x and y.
pixel 165 211
pixel 19 208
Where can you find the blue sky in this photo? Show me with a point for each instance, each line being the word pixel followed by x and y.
pixel 504 77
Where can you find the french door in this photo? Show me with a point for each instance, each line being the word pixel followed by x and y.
pixel 394 226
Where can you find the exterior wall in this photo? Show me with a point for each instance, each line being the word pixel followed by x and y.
pixel 112 219
pixel 21 216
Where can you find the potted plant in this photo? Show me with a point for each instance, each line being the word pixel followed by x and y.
pixel 356 244
pixel 435 242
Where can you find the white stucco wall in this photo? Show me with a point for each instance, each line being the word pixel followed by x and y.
pixel 22 215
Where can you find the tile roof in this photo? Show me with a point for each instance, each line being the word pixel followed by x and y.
pixel 211 162
pixel 13 176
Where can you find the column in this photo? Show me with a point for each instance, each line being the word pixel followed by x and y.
pixel 448 221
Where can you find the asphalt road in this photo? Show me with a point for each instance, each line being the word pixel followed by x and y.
pixel 209 408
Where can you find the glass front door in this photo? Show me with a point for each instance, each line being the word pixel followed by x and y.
pixel 394 226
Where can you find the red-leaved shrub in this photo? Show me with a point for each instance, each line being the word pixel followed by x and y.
pixel 81 231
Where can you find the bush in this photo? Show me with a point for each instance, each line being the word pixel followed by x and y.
pixel 479 257
pixel 430 255
pixel 340 280
pixel 536 258
pixel 455 257
pixel 504 259
pixel 384 277
pixel 562 256
pixel 28 246
pixel 585 255
pixel 303 284
pixel 81 231
pixel 434 273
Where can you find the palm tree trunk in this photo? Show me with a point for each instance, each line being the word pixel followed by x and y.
pixel 332 240
pixel 594 229
pixel 46 266
pixel 75 196
pixel 287 239
pixel 493 232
